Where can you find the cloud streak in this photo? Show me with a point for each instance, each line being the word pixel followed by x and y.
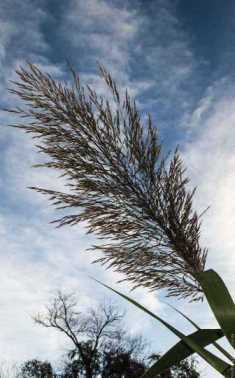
pixel 148 50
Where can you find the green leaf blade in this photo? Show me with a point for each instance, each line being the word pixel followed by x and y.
pixel 217 363
pixel 216 345
pixel 180 351
pixel 220 302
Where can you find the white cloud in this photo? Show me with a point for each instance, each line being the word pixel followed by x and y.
pixel 6 31
pixel 37 259
pixel 210 162
pixel 104 28
pixel 170 58
pixel 108 35
pixel 21 39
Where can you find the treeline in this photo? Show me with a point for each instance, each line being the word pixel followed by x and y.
pixel 100 345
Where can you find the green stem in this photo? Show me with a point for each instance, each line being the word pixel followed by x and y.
pixel 233 372
pixel 225 353
pixel 216 345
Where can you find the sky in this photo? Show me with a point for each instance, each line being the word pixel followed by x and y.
pixel 177 58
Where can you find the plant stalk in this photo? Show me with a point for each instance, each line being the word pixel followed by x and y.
pixel 225 353
pixel 233 372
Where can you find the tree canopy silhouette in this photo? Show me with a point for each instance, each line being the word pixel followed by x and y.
pixel 89 333
pixel 100 344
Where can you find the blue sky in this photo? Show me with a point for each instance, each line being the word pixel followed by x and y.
pixel 178 59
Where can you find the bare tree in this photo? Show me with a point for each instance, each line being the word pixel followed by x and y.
pixel 101 347
pixel 118 181
pixel 88 333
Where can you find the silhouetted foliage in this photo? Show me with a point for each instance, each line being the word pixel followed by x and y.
pixel 89 333
pixel 86 361
pixel 185 369
pixel 121 365
pixel 100 345
pixel 36 369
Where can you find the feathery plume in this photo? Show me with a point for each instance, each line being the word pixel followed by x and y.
pixel 133 199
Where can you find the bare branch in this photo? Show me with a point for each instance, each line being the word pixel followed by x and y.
pixel 97 325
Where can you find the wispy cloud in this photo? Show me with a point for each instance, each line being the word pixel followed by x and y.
pixel 35 258
pixel 211 160
pixel 105 29
pixel 148 50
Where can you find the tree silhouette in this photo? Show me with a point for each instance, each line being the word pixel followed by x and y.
pixel 89 333
pixel 36 369
pixel 101 347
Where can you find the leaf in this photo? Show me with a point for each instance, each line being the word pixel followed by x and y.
pixel 185 316
pixel 180 351
pixel 216 345
pixel 220 302
pixel 218 364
